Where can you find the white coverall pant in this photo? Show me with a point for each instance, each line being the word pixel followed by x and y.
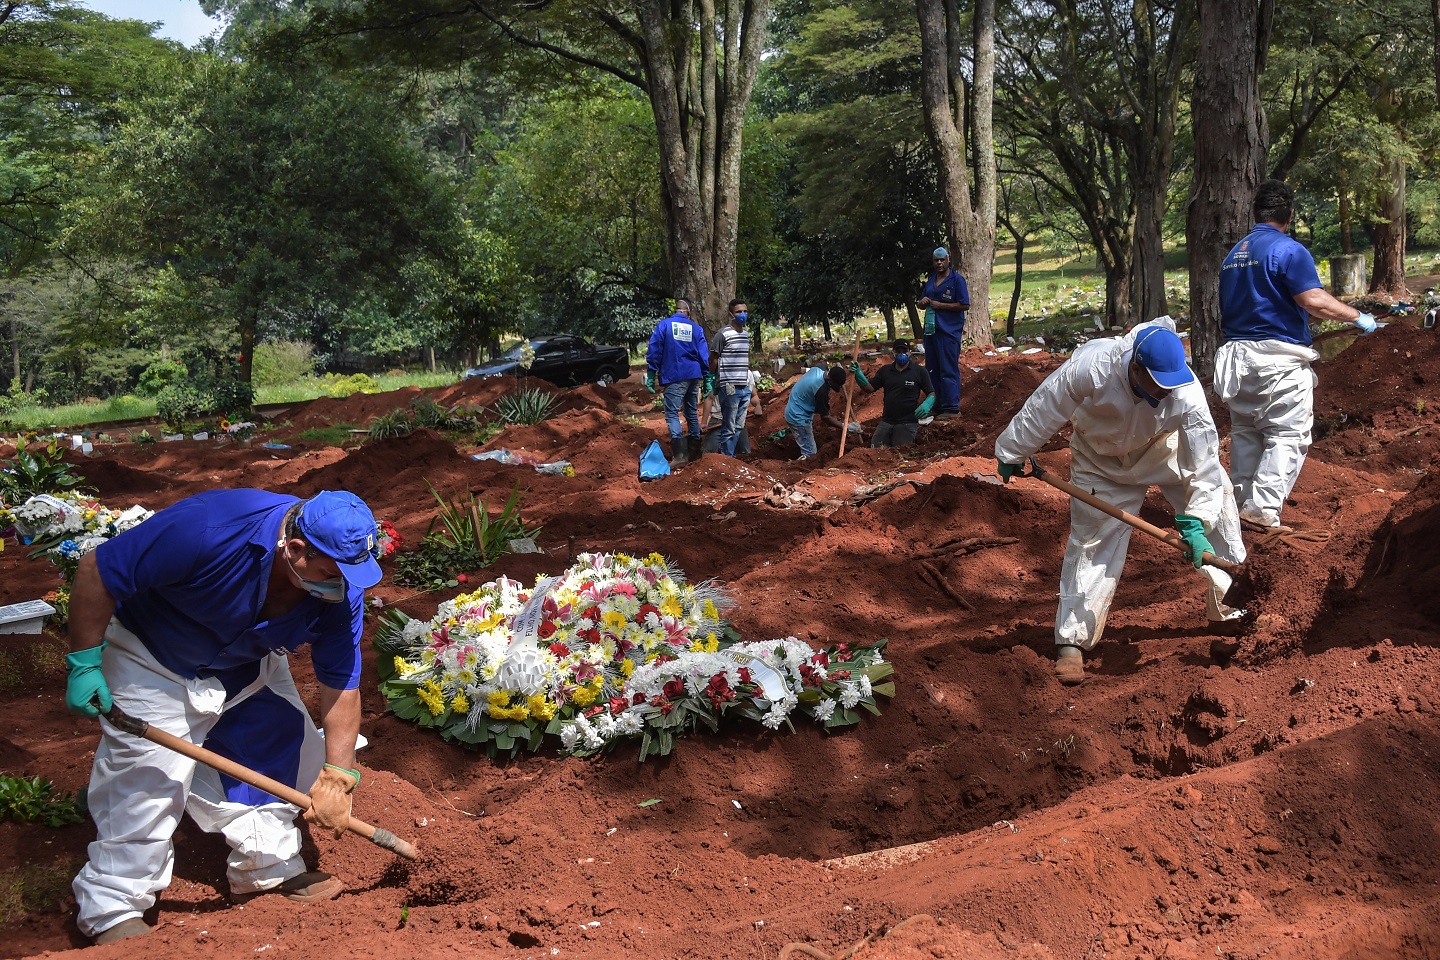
pixel 1095 553
pixel 138 789
pixel 1270 389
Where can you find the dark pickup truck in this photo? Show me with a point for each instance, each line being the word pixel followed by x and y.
pixel 562 360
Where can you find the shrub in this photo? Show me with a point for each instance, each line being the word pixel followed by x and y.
pixel 425 412
pixel 525 406
pixel 44 471
pixel 340 387
pixel 467 538
pixel 178 403
pixel 396 423
pixel 230 398
pixel 281 362
pixel 159 375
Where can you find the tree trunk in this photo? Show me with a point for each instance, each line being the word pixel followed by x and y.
pixel 917 326
pixel 15 348
pixel 1435 33
pixel 889 313
pixel 1117 294
pixel 1147 266
pixel 1389 277
pixel 825 323
pixel 1231 139
pixel 1347 237
pixel 795 331
pixel 699 121
pixel 971 225
pixel 1019 283
pixel 247 346
pixel 1347 275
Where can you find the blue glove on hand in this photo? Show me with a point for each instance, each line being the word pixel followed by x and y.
pixel 650 381
pixel 1192 531
pixel 1008 471
pixel 860 377
pixel 926 405
pixel 1366 323
pixel 929 321
pixel 85 683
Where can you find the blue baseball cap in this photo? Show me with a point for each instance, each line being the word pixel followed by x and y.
pixel 940 252
pixel 1162 354
pixel 339 525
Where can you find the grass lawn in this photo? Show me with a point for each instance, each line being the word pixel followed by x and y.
pixel 135 408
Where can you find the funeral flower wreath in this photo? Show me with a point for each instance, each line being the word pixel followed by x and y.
pixel 616 648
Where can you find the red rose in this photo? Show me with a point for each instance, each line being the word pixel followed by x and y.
pixel 618 704
pixel 546 630
pixel 638 699
pixel 674 688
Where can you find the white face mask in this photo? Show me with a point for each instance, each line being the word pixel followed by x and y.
pixel 330 591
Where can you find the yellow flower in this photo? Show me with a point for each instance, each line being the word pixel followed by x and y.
pixel 541 708
pixel 697 645
pixel 427 658
pixel 712 643
pixel 431 697
pixel 569 471
pixel 655 560
pixel 671 607
pixel 708 609
pixel 498 698
pixel 627 667
pixel 584 696
pixel 461 704
pixel 614 619
pixel 624 558
pixel 402 668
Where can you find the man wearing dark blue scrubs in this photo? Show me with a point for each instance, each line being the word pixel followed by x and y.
pixel 944 300
pixel 185 621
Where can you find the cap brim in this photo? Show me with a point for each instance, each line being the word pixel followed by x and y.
pixel 1172 379
pixel 363 575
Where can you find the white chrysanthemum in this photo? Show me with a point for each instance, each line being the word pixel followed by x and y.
pixel 865 688
pixel 849 695
pixel 824 709
pixel 570 735
pixel 775 716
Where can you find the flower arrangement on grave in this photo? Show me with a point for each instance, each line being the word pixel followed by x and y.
pixel 387 538
pixel 65 526
pixel 616 648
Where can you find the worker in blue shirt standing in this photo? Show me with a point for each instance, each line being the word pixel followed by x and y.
pixel 944 300
pixel 1268 290
pixel 679 361
pixel 185 622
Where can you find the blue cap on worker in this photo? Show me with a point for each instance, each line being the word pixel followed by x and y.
pixel 339 525
pixel 1162 354
pixel 940 252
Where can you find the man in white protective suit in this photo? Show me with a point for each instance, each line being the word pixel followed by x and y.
pixel 185 621
pixel 1268 285
pixel 1140 419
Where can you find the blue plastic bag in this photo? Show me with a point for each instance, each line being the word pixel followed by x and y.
pixel 653 464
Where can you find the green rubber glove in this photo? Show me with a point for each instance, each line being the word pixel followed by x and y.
pixel 86 684
pixel 707 387
pixel 929 320
pixel 859 374
pixel 1009 471
pixel 926 405
pixel 650 381
pixel 1193 533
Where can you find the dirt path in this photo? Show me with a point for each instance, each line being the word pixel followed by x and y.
pixel 1278 807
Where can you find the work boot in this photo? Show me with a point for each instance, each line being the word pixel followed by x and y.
pixel 124 930
pixel 695 449
pixel 1069 665
pixel 677 453
pixel 309 887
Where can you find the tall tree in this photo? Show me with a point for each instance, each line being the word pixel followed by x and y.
pixel 1231 140
pixel 264 191
pixel 1098 84
pixel 960 126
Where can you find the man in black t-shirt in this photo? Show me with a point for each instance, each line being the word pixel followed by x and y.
pixel 904 384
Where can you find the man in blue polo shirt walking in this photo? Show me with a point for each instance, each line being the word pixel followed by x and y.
pixel 944 300
pixel 185 622
pixel 1268 285
pixel 679 359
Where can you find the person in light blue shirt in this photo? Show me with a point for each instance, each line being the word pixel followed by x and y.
pixel 809 398
pixel 1269 289
pixel 678 361
pixel 944 300
pixel 185 621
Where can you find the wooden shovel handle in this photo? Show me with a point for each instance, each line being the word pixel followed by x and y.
pixel 1109 509
pixel 139 728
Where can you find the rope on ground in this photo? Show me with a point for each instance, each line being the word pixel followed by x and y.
pixel 792 950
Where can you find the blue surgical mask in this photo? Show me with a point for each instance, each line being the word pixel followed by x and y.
pixel 901 359
pixel 329 591
pixel 741 318
pixel 1140 392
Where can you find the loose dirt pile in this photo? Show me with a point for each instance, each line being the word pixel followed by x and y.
pixel 1281 806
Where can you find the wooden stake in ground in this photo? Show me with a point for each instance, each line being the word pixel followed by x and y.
pixel 850 391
